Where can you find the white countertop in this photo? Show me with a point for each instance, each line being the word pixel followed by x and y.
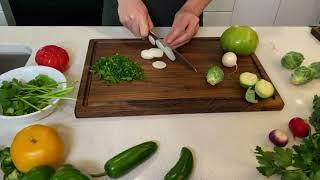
pixel 223 143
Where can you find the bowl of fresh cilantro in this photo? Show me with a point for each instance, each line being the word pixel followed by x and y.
pixel 31 93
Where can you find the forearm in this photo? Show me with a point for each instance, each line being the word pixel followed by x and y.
pixel 195 6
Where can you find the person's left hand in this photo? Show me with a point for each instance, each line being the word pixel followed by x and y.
pixel 185 26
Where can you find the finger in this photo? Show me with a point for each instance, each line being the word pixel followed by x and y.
pixel 180 44
pixel 180 39
pixel 134 27
pixel 125 22
pixel 150 23
pixel 187 35
pixel 144 26
pixel 174 34
pixel 177 29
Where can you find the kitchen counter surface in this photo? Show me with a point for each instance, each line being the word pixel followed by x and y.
pixel 223 143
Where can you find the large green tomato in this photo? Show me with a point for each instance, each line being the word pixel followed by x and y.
pixel 242 40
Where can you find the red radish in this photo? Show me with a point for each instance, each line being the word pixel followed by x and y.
pixel 299 127
pixel 53 56
pixel 278 138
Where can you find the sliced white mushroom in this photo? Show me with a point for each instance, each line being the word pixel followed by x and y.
pixel 159 64
pixel 145 54
pixel 151 39
pixel 168 51
pixel 156 52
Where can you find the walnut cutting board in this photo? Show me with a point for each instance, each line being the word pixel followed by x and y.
pixel 175 89
pixel 315 31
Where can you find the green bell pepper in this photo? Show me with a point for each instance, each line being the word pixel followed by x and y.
pixel 39 173
pixel 69 172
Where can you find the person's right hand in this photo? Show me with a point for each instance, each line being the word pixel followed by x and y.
pixel 134 15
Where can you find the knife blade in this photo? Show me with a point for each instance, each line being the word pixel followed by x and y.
pixel 184 59
pixel 176 53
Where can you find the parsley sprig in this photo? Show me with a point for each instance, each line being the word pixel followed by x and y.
pixel 315 116
pixel 116 69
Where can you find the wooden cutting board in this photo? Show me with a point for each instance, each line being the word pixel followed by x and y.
pixel 175 89
pixel 315 31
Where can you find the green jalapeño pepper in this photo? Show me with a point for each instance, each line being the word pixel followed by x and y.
pixel 183 168
pixel 39 173
pixel 69 172
pixel 122 163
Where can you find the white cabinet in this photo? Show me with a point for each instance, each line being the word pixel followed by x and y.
pixel 218 13
pixel 217 18
pixel 262 12
pixel 220 5
pixel 298 12
pixel 3 21
pixel 255 12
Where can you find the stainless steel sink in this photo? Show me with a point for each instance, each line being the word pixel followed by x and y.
pixel 13 56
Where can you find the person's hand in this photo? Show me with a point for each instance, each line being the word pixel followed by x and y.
pixel 185 26
pixel 134 15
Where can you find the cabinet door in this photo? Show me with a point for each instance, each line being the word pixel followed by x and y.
pixel 255 12
pixel 3 21
pixel 298 12
pixel 220 5
pixel 217 18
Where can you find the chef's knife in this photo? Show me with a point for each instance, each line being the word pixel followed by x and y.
pixel 162 45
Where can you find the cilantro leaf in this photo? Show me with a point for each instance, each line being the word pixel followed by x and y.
pixel 282 157
pixel 273 162
pixel 43 80
pixel 294 175
pixel 19 98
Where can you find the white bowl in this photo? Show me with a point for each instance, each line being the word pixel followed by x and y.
pixel 28 73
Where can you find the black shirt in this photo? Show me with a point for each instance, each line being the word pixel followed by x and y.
pixel 162 12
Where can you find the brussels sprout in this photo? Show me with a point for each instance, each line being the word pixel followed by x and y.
pixel 315 68
pixel 251 95
pixel 292 60
pixel 215 75
pixel 248 79
pixel 301 75
pixel 264 89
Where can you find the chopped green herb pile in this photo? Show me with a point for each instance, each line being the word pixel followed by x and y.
pixel 301 162
pixel 116 69
pixel 20 98
pixel 315 116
